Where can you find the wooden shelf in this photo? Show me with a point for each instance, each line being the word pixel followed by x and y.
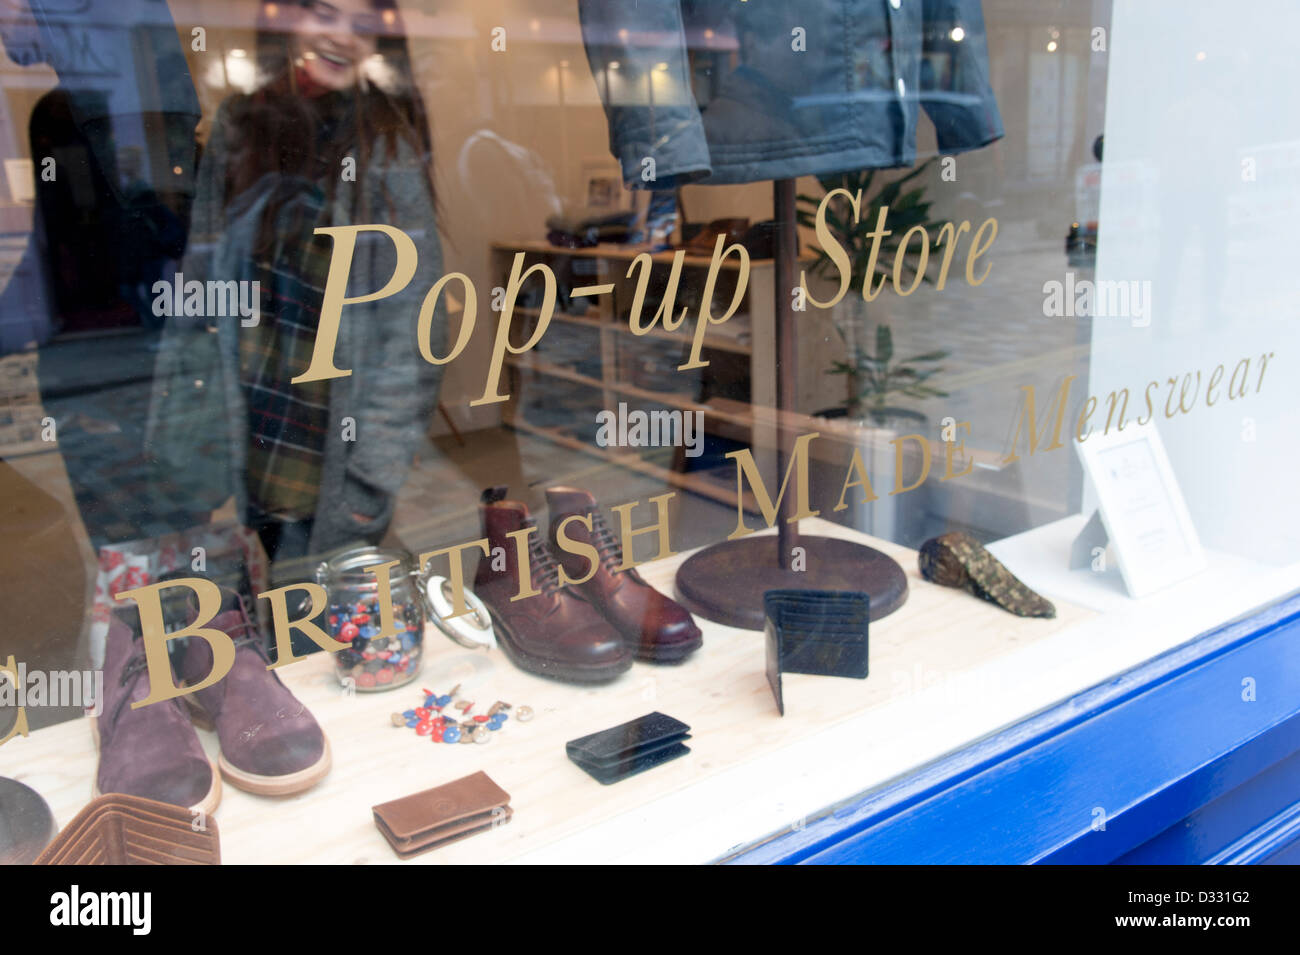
pixel 736 416
pixel 689 481
pixel 715 340
pixel 626 253
pixel 614 338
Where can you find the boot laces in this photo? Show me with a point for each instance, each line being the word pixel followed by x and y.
pixel 607 545
pixel 245 634
pixel 134 666
pixel 545 568
pixel 131 670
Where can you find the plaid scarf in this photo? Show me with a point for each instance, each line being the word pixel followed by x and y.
pixel 287 423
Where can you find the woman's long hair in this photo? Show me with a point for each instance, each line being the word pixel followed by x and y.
pixel 280 130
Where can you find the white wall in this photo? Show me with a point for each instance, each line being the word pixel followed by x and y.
pixel 1198 91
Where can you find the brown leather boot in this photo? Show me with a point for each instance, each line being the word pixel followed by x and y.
pixel 657 629
pixel 555 633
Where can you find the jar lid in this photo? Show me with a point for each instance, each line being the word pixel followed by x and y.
pixel 472 630
pixel 354 563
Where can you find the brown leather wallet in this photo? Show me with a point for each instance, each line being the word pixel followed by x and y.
pixel 118 829
pixel 444 814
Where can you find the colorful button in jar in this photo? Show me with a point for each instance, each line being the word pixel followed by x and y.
pixel 375 658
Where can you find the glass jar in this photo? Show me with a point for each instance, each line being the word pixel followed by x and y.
pixel 372 662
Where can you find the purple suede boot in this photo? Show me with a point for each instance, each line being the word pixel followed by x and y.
pixel 152 751
pixel 270 743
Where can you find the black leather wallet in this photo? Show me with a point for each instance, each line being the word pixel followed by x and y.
pixel 821 632
pixel 630 748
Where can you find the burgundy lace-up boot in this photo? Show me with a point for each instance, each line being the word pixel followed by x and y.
pixel 152 751
pixel 656 628
pixel 554 633
pixel 270 743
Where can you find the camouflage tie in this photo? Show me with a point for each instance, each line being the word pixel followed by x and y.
pixel 959 560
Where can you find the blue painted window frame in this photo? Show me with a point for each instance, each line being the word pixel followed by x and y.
pixel 1173 757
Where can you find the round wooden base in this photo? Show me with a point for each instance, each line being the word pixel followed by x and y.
pixel 726 582
pixel 26 825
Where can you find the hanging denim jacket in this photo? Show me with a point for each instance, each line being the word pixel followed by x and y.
pixel 720 91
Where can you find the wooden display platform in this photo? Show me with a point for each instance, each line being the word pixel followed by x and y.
pixel 721 692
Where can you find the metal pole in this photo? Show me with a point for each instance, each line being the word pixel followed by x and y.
pixel 787 239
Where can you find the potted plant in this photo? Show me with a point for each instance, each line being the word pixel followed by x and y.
pixel 877 379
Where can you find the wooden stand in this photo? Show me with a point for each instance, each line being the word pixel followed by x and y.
pixel 726 582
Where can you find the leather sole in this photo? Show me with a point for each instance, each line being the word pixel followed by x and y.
pixel 656 654
pixel 207 805
pixel 278 785
pixel 567 672
pixel 259 785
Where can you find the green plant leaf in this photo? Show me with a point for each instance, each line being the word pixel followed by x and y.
pixel 884 343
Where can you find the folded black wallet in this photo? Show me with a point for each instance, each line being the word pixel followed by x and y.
pixel 821 632
pixel 630 748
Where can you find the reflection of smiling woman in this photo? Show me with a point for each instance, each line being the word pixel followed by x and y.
pixel 330 41
pixel 335 134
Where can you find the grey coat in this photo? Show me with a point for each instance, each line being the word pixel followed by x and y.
pixel 390 393
pixel 725 92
